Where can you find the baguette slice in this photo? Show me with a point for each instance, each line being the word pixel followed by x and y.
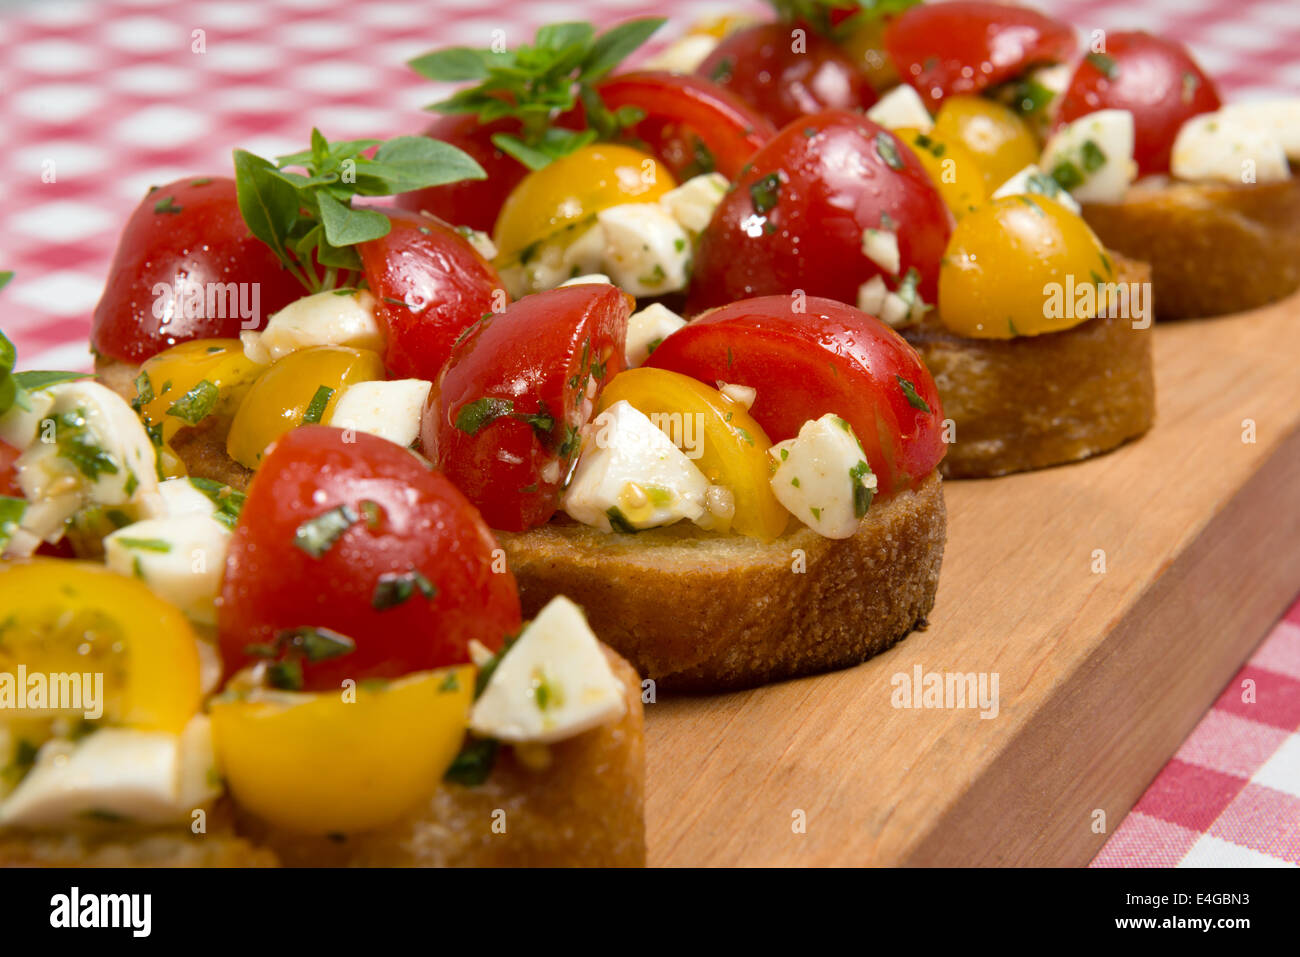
pixel 695 611
pixel 586 808
pixel 1214 248
pixel 1034 401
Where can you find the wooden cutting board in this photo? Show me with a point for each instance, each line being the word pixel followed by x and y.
pixel 1101 675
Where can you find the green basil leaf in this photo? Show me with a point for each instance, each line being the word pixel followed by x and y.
pixel 345 226
pixel 34 381
pixel 267 202
pixel 415 162
pixel 452 65
pixel 614 45
pixel 561 36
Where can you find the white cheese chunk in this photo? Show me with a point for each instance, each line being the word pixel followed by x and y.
pixel 89 449
pixel 881 247
pixel 630 471
pixel 390 409
pixel 742 395
pixel 1098 148
pixel 1214 147
pixel 573 252
pixel 646 329
pixel 1032 181
pixel 595 278
pixel 646 250
pixel 181 559
pixel 897 309
pixel 181 497
pixel 553 683
pixel 901 107
pixel 328 318
pixel 693 203
pixel 684 54
pixel 19 427
pixel 148 777
pixel 1279 118
pixel 822 477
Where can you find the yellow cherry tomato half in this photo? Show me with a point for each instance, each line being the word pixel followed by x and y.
pixel 1010 266
pixel 322 762
pixel 62 617
pixel 300 389
pixel 193 381
pixel 953 169
pixel 573 189
pixel 732 447
pixel 1001 142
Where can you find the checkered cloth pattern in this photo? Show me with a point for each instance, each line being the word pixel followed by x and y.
pixel 103 98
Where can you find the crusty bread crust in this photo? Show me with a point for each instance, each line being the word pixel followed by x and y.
pixel 695 611
pixel 1214 248
pixel 1034 401
pixel 586 808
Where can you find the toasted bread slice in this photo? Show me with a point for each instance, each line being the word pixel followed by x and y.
pixel 1214 248
pixel 585 807
pixel 696 611
pixel 1034 401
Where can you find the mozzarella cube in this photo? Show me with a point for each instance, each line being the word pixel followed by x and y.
pixel 901 107
pixel 90 449
pixel 389 409
pixel 181 497
pixel 684 54
pixel 743 395
pixel 1278 118
pixel 1032 181
pixel 646 329
pixel 181 559
pixel 1214 147
pixel 881 247
pixel 631 476
pixel 823 478
pixel 595 278
pixel 20 427
pixel 1093 156
pixel 692 204
pixel 646 250
pixel 331 318
pixel 553 683
pixel 148 777
pixel 572 253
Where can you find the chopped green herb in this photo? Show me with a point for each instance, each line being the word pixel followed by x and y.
pixel 473 416
pixel 449 683
pixel 372 512
pixel 316 536
pixel 618 521
pixel 1092 157
pixel 144 544
pixel 229 503
pixel 167 205
pixel 197 404
pixel 913 399
pixel 887 149
pixel 816 513
pixel 316 407
pixel 474 763
pixel 285 675
pixel 862 495
pixel 12 511
pixel 766 192
pixel 1105 65
pixel 1068 175
pixel 721 71
pixel 795 481
pixel 75 443
pixel 394 588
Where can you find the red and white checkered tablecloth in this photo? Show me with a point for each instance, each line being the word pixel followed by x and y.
pixel 103 98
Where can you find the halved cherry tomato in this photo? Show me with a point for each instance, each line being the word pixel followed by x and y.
pixel 314 763
pixel 193 381
pixel 429 285
pixel 1001 142
pixel 967 46
pixel 995 276
pixel 186 235
pixel 733 447
pixel 573 189
pixel 953 169
pixel 864 44
pixel 308 380
pixel 795 219
pixel 65 616
pixel 1153 78
pixel 784 77
pixel 828 358
pixel 350 532
pixel 503 421
pixel 8 474
pixel 681 110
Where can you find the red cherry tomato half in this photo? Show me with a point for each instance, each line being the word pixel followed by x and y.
pixel 8 474
pixel 829 358
pixel 679 109
pixel 965 47
pixel 784 77
pixel 795 218
pixel 350 532
pixel 184 236
pixel 503 422
pixel 1155 79
pixel 430 285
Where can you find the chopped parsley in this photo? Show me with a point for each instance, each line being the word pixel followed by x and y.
pixel 887 149
pixel 197 404
pixel 862 495
pixel 12 511
pixel 75 443
pixel 913 399
pixel 1068 175
pixel 144 544
pixel 765 192
pixel 618 521
pixel 167 205
pixel 394 588
pixel 229 503
pixel 316 536
pixel 1092 157
pixel 474 763
pixel 316 407
pixel 473 416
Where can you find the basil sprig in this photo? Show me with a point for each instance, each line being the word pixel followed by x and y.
pixel 301 204
pixel 536 83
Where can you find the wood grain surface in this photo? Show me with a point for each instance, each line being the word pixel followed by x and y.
pixel 1101 675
